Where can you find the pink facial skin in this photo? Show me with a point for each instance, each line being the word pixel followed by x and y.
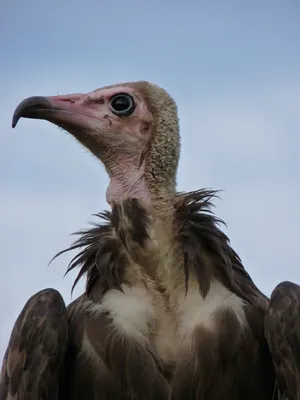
pixel 118 141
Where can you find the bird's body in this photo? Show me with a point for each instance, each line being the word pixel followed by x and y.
pixel 169 311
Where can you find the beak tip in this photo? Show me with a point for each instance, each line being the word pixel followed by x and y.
pixel 30 108
pixel 14 121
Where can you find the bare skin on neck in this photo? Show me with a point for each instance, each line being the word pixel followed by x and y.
pixel 127 176
pixel 127 182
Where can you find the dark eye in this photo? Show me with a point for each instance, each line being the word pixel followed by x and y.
pixel 122 104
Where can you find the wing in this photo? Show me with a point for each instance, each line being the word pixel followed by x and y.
pixel 33 361
pixel 282 330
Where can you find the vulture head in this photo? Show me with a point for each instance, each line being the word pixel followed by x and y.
pixel 132 128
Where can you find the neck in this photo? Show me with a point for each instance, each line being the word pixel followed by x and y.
pixel 128 180
pixel 126 184
pixel 146 231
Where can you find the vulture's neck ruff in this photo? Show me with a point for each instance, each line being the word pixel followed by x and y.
pixel 132 128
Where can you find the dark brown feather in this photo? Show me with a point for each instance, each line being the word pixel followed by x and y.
pixel 207 251
pixel 131 222
pixel 226 363
pixel 33 362
pixel 134 366
pixel 282 329
pixel 102 257
pixel 120 368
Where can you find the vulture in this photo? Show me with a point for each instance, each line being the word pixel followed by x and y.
pixel 169 311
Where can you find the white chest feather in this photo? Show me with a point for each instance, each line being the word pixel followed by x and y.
pixel 195 311
pixel 132 311
pixel 135 313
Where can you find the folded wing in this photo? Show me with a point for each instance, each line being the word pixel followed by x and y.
pixel 33 363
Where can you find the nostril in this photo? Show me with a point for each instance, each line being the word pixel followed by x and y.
pixel 70 99
pixel 66 100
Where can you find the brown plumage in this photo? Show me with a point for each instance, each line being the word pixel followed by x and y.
pixel 33 364
pixel 169 311
pixel 282 327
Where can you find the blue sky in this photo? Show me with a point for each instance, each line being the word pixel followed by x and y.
pixel 233 68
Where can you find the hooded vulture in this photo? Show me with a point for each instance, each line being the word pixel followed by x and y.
pixel 169 312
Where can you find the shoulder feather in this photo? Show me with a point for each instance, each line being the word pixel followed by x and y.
pixel 282 330
pixel 207 250
pixel 35 353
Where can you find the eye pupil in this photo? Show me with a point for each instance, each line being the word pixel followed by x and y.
pixel 122 104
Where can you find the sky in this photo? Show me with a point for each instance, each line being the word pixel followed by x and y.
pixel 233 68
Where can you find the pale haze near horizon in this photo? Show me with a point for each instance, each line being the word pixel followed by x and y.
pixel 233 68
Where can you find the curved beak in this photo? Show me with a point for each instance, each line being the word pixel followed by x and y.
pixel 65 111
pixel 32 107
